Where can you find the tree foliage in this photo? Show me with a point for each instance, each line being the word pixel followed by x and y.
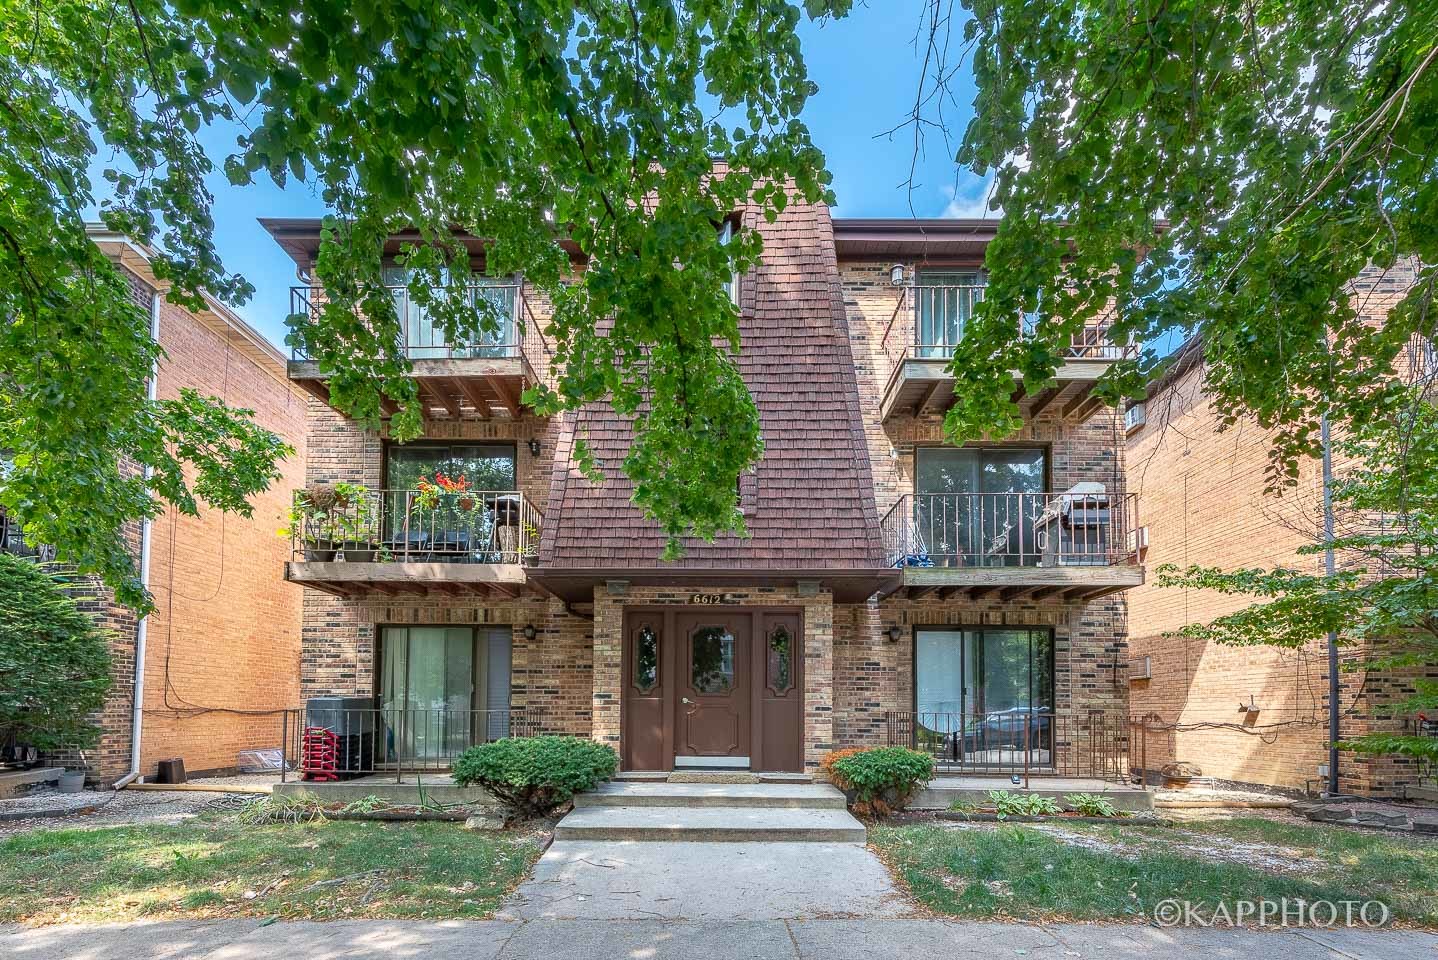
pixel 54 660
pixel 522 123
pixel 1179 165
pixel 1383 599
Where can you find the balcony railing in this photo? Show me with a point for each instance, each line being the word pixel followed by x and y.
pixel 12 541
pixel 1073 528
pixel 419 526
pixel 327 742
pixel 1023 742
pixel 517 337
pixel 930 320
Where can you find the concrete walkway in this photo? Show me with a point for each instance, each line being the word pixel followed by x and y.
pixel 661 940
pixel 636 880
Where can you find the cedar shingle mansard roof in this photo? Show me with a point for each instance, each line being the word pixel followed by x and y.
pixel 810 503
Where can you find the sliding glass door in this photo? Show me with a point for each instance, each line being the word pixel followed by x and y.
pixel 976 506
pixel 976 673
pixel 944 305
pixel 424 335
pixel 442 689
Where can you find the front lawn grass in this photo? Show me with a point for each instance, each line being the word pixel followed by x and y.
pixel 1025 873
pixel 216 866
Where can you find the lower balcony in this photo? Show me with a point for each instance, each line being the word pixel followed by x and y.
pixel 426 541
pixel 1081 544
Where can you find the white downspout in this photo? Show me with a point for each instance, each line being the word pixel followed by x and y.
pixel 137 716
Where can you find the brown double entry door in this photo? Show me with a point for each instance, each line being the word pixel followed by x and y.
pixel 712 687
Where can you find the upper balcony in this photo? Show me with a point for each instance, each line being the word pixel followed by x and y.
pixel 476 379
pixel 1081 544
pixel 929 321
pixel 426 540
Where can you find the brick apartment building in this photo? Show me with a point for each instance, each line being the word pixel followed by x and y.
pixel 221 649
pixel 893 589
pixel 1248 715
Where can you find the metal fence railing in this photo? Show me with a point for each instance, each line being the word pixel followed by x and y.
pixel 422 337
pixel 1010 529
pixel 929 320
pixel 425 525
pixel 331 742
pixel 1023 742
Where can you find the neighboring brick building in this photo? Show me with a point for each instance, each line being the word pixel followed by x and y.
pixel 892 588
pixel 222 645
pixel 1250 715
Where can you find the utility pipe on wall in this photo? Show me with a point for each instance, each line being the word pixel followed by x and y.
pixel 137 715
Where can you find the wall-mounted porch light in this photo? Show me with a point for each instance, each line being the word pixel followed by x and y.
pixel 896 274
pixel 529 632
pixel 533 447
pixel 894 633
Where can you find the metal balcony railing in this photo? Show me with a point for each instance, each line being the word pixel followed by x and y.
pixel 325 742
pixel 1023 742
pixel 418 526
pixel 12 541
pixel 517 337
pixel 1010 529
pixel 930 320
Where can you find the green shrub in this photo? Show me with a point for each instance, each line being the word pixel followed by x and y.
pixel 54 660
pixel 882 779
pixel 1091 805
pixel 1022 805
pixel 533 775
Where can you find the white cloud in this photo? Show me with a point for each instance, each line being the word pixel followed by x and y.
pixel 969 199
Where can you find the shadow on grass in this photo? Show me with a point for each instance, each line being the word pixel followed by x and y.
pixel 216 867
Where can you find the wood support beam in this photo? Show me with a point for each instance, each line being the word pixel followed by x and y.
pixel 436 393
pixel 1044 399
pixel 926 397
pixel 508 396
pixel 471 392
pixel 1085 410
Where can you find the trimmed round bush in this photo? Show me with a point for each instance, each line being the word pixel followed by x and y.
pixel 533 775
pixel 879 780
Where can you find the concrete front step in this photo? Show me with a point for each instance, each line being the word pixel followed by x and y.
pixel 731 824
pixel 711 776
pixel 811 796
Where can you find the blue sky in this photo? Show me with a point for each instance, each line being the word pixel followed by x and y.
pixel 866 68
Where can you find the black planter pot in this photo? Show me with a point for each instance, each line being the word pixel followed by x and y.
pixel 356 552
pixel 319 551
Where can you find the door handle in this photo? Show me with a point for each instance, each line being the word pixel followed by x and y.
pixel 685 700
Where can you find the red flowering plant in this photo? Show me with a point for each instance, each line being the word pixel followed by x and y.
pixel 457 485
pixel 430 490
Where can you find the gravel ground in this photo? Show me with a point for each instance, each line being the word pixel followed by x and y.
pixel 111 808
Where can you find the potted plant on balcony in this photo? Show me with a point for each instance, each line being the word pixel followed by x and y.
pixel 311 522
pixel 356 525
pixel 460 487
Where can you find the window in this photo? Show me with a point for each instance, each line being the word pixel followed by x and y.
pixel 1134 416
pixel 726 234
pixel 943 305
pixel 476 524
pixel 981 672
pixel 424 338
pixel 781 660
pixel 977 507
pixel 485 466
pixel 442 689
pixel 712 660
pixel 646 659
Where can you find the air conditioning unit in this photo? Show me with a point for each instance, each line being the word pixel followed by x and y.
pixel 1140 668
